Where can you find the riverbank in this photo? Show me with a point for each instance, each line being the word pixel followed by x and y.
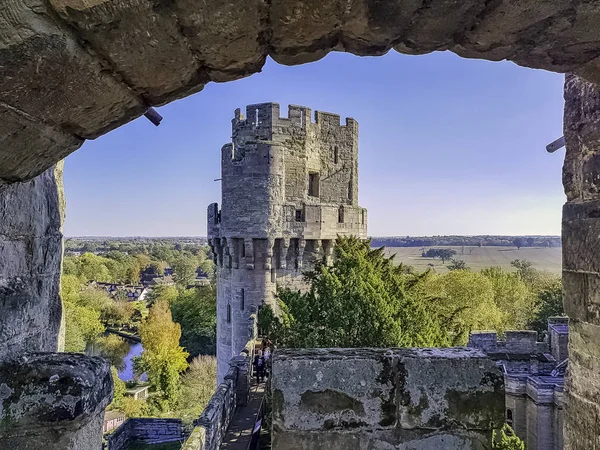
pixel 124 334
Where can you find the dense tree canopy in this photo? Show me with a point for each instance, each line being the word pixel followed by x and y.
pixel 196 311
pixel 363 299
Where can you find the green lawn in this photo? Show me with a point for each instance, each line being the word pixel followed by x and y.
pixel 547 259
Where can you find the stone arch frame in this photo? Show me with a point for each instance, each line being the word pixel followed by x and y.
pixel 92 72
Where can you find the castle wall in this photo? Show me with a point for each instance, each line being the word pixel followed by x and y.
pixel 421 399
pixel 289 188
pixel 581 262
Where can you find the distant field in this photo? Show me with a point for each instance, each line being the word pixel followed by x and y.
pixel 543 258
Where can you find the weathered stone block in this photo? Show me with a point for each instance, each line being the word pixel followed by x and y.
pixel 119 29
pixel 53 401
pixel 583 301
pixel 378 398
pixel 48 75
pixel 580 231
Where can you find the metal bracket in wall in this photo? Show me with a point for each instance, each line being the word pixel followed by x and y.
pixel 153 116
pixel 553 146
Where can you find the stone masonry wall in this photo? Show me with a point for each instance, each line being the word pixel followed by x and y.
pixel 31 250
pixel 211 426
pixel 380 399
pixel 581 263
pixel 146 431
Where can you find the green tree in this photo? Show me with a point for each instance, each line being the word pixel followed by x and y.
pixel 163 293
pixel 463 301
pixel 363 299
pixel 82 326
pixel 512 297
pixel 198 385
pixel 525 270
pixel 70 287
pixel 549 303
pixel 506 439
pixel 118 390
pixel 457 264
pixel 162 359
pixel 196 311
pixel 93 267
pixel 184 269
pixel 443 253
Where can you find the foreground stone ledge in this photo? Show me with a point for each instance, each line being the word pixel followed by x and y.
pixel 385 398
pixel 53 401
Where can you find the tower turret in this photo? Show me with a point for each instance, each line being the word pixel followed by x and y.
pixel 289 187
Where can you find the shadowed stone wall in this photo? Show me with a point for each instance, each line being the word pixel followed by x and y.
pixel 581 263
pixel 31 250
pixel 379 399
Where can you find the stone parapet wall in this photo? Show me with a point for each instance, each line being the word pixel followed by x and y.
pixel 514 342
pixel 146 431
pixel 53 401
pixel 211 426
pixel 421 399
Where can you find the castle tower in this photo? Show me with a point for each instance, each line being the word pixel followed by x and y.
pixel 289 188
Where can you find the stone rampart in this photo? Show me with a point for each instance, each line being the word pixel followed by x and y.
pixel 421 399
pixel 212 425
pixel 146 431
pixel 515 342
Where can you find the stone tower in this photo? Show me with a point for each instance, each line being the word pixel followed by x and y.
pixel 289 187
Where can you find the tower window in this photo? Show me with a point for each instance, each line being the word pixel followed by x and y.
pixel 341 214
pixel 273 275
pixel 300 215
pixel 363 217
pixel 228 313
pixel 313 184
pixel 335 155
pixel 242 300
pixel 243 252
pixel 509 417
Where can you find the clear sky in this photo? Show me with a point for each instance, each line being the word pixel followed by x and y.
pixel 447 146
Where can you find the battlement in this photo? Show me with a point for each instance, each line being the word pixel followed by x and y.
pixel 525 342
pixel 514 342
pixel 261 115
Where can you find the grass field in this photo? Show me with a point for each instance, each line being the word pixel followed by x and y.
pixel 548 259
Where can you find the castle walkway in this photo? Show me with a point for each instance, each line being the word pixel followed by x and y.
pixel 240 431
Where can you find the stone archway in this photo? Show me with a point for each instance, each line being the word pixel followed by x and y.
pixel 75 69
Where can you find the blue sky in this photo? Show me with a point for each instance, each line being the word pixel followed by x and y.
pixel 447 146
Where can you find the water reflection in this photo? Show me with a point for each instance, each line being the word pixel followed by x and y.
pixel 119 352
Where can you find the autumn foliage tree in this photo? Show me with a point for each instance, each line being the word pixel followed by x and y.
pixel 163 359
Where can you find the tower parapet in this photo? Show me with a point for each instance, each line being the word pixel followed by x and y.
pixel 289 188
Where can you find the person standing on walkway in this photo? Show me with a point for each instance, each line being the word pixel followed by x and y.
pixel 267 358
pixel 259 366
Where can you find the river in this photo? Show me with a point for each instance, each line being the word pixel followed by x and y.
pixel 120 352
